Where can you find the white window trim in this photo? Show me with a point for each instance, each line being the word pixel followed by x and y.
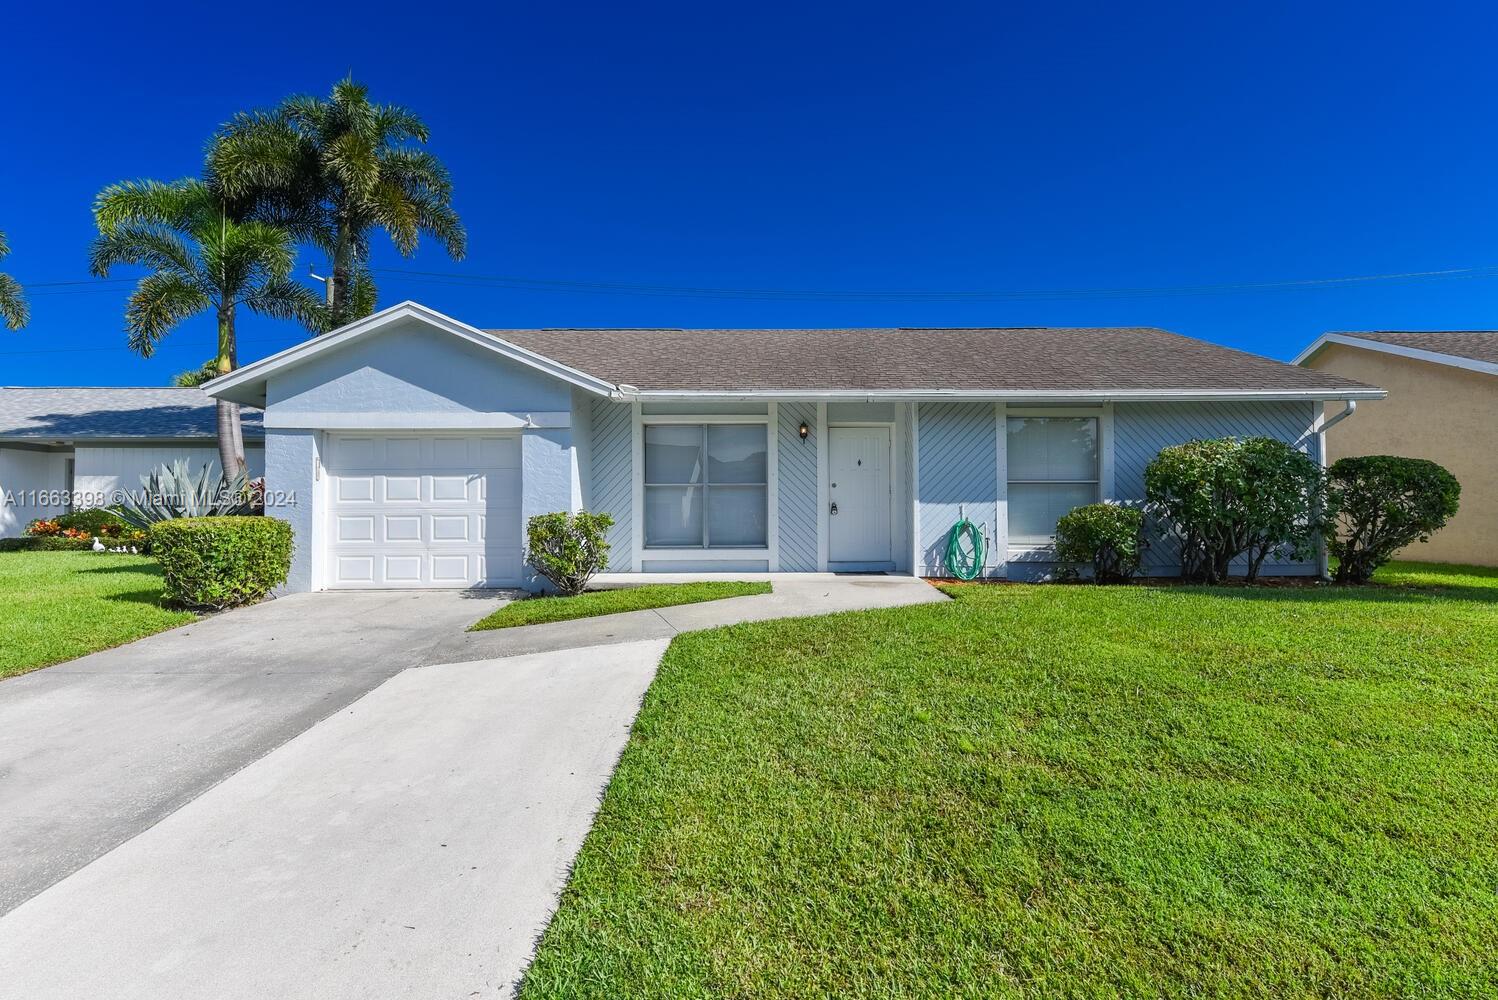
pixel 769 553
pixel 1106 463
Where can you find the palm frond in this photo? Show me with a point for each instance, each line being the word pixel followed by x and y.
pixel 178 204
pixel 353 163
pixel 397 124
pixel 147 245
pixel 160 301
pixel 194 377
pixel 396 215
pixel 254 152
pixel 13 307
pixel 4 246
pixel 286 298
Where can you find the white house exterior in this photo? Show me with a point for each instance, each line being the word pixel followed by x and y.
pixel 62 447
pixel 408 449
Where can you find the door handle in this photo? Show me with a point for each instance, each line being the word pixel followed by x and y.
pixel 832 509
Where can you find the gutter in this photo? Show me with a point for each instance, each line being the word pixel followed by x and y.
pixel 631 393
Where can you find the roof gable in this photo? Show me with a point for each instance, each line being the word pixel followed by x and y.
pixel 247 384
pixel 1474 350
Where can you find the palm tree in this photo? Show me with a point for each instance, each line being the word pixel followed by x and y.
pixel 13 308
pixel 194 377
pixel 201 257
pixel 332 171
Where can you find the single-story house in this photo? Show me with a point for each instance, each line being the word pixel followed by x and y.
pixel 78 446
pixel 408 449
pixel 1442 406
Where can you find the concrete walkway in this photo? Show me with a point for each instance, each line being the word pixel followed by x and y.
pixel 411 845
pixel 794 594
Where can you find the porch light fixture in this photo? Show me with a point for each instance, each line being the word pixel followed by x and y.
pixel 805 430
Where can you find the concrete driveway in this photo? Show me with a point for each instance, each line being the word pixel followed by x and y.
pixel 96 750
pixel 412 845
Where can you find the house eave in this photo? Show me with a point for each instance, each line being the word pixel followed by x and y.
pixel 1397 350
pixel 1035 396
pixel 247 385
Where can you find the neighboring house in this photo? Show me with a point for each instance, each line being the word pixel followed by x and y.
pixel 82 445
pixel 1442 405
pixel 407 449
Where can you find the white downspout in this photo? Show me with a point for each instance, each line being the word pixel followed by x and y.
pixel 1323 562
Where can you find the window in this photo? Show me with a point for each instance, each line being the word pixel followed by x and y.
pixel 706 486
pixel 1053 467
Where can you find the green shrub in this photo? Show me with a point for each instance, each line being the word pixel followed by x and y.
pixel 45 543
pixel 99 521
pixel 221 562
pixel 568 549
pixel 1105 536
pixel 1380 504
pixel 1230 497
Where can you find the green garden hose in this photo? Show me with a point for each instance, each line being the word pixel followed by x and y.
pixel 964 566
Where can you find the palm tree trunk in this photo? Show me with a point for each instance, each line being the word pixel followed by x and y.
pixel 342 272
pixel 230 435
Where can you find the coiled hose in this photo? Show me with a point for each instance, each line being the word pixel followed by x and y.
pixel 964 565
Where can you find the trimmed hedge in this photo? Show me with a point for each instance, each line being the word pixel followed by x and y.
pixel 99 521
pixel 46 543
pixel 1383 503
pixel 221 562
pixel 1105 536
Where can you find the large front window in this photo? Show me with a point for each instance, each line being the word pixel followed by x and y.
pixel 706 486
pixel 1053 467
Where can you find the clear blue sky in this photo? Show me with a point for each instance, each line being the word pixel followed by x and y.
pixel 860 148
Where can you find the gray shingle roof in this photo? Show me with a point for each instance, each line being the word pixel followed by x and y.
pixel 69 413
pixel 1475 345
pixel 999 360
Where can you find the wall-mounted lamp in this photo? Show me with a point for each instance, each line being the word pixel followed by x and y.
pixel 805 430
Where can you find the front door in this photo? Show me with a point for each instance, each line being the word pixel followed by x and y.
pixel 858 472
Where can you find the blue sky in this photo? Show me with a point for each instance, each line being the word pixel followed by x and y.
pixel 861 148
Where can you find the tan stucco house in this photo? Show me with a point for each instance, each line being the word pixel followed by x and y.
pixel 1442 405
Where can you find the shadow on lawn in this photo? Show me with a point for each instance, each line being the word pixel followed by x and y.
pixel 150 568
pixel 1390 593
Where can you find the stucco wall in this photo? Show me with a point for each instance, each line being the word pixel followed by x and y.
pixel 102 470
pixel 1444 414
pixel 290 494
pixel 23 473
pixel 406 378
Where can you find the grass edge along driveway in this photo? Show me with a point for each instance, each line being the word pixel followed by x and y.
pixel 1058 791
pixel 55 606
pixel 536 610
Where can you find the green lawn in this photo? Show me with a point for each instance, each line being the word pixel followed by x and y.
pixel 535 610
pixel 58 605
pixel 1063 791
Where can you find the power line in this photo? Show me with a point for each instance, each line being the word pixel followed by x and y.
pixel 455 278
pixel 522 283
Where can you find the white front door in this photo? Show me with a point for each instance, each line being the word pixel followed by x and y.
pixel 858 495
pixel 423 510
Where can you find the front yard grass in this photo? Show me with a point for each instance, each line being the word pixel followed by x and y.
pixel 58 605
pixel 1059 791
pixel 536 610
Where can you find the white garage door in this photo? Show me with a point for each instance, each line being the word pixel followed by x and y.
pixel 431 510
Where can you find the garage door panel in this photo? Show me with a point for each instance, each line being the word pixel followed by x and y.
pixel 424 511
pixel 402 527
pixel 355 489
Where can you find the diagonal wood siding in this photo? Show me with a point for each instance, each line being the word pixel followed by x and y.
pixel 797 469
pixel 613 490
pixel 958 474
pixel 1141 429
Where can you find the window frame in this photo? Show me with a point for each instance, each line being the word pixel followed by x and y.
pixel 1102 480
pixel 706 550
